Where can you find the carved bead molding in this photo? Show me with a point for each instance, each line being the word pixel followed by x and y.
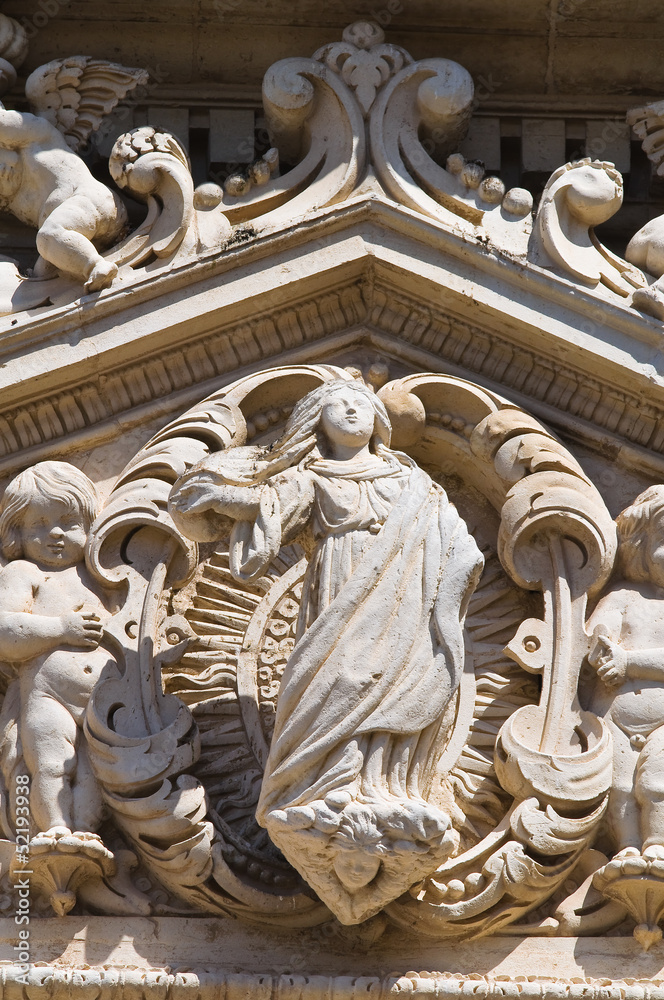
pixel 103 984
pixel 136 984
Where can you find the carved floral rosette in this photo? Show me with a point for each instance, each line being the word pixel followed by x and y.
pixel 179 738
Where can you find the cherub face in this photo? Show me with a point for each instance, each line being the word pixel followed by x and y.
pixel 348 418
pixel 52 534
pixel 355 868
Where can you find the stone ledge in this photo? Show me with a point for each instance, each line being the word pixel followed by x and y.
pixel 104 984
pixel 216 958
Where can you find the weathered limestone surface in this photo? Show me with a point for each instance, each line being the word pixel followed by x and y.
pixel 331 529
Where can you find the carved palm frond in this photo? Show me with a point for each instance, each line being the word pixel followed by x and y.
pixel 495 611
pixel 76 93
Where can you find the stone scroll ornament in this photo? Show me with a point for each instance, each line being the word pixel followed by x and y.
pixel 362 115
pixel 578 197
pixel 359 117
pixel 81 223
pixel 245 755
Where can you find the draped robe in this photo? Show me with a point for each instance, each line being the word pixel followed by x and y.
pixel 379 649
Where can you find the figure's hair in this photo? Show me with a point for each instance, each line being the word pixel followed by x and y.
pixel 358 831
pixel 58 481
pixel 637 534
pixel 301 438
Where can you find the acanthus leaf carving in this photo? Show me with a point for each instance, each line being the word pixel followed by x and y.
pixel 153 167
pixel 363 60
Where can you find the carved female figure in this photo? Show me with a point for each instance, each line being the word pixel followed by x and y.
pixel 379 646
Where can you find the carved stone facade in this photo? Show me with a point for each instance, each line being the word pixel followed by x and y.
pixel 331 531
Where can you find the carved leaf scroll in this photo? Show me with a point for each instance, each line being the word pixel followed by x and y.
pixel 315 110
pixel 577 197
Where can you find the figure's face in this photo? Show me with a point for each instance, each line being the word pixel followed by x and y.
pixel 348 418
pixel 52 534
pixel 355 868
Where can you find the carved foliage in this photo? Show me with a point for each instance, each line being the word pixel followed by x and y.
pixel 315 110
pixel 153 167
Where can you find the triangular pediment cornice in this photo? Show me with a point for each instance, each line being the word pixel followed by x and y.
pixel 366 270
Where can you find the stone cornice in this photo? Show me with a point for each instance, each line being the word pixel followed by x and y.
pixel 75 370
pixel 150 984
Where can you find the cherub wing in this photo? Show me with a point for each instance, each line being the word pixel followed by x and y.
pixel 648 125
pixel 76 93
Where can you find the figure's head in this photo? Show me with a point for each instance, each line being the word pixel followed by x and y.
pixel 348 417
pixel 339 411
pixel 46 514
pixel 641 537
pixel 344 411
pixel 355 868
pixel 358 846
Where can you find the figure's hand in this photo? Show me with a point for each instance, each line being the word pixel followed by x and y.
pixel 609 659
pixel 82 628
pixel 197 496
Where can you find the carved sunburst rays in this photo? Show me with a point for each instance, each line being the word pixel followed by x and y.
pixel 220 613
pixel 254 625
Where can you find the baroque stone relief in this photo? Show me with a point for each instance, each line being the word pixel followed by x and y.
pixel 359 119
pixel 228 708
pixel 360 112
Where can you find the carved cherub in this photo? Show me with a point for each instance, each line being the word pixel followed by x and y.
pixel 628 655
pixel 51 620
pixel 45 184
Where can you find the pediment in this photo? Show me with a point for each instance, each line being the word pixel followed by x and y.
pixel 367 276
pixel 365 242
pixel 326 466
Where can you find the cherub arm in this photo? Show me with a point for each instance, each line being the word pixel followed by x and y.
pixel 612 660
pixel 18 128
pixel 24 635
